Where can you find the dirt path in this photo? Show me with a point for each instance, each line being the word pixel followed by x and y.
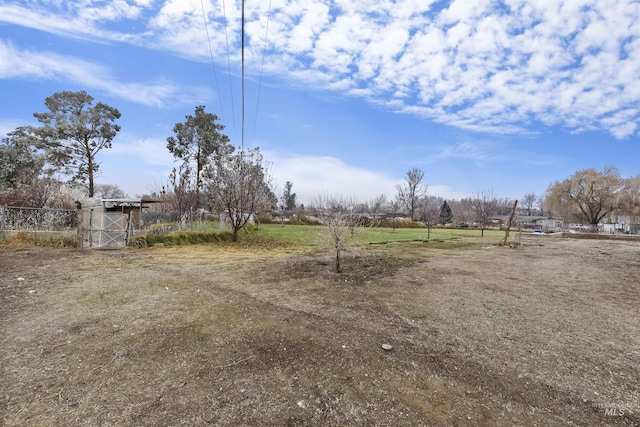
pixel 481 335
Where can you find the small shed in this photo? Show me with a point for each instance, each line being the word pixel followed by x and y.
pixel 131 207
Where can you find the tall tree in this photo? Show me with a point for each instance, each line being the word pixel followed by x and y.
pixel 197 139
pixel 529 201
pixel 411 191
pixel 239 186
pixel 630 197
pixel 588 195
pixel 20 163
pixel 73 133
pixel 288 197
pixel 445 213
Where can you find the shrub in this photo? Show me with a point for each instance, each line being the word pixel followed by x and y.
pixel 181 238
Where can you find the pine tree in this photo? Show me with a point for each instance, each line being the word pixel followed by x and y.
pixel 445 213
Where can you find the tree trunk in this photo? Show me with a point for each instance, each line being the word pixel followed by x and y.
pixel 90 165
pixel 338 261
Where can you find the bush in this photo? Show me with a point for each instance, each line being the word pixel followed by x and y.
pixel 305 220
pixel 401 223
pixel 181 238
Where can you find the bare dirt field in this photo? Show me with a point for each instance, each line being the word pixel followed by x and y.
pixel 547 334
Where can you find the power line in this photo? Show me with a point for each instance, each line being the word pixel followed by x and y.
pixel 243 76
pixel 226 33
pixel 264 49
pixel 213 64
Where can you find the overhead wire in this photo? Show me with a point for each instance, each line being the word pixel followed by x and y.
pixel 242 76
pixel 213 64
pixel 226 33
pixel 264 49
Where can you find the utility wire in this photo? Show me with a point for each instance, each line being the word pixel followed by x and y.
pixel 264 49
pixel 213 64
pixel 243 76
pixel 226 33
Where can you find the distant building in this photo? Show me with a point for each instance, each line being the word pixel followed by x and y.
pixel 623 224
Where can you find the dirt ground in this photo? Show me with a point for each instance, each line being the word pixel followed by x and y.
pixel 547 334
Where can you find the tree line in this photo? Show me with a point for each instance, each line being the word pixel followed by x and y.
pixel 37 162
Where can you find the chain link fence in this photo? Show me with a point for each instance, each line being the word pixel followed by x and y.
pixel 37 221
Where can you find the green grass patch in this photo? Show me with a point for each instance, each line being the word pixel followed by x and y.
pixel 305 235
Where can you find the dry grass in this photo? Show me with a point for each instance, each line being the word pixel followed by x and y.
pixel 42 239
pixel 264 335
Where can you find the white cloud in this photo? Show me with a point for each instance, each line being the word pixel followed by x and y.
pixel 7 125
pixel 148 150
pixel 474 64
pixel 25 64
pixel 317 175
pixel 478 151
pixel 314 175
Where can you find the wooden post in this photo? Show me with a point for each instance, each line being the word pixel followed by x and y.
pixel 79 228
pixel 506 233
pixel 2 221
pixel 91 228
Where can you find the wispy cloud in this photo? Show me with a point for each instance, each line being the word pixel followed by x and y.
pixel 313 175
pixel 487 66
pixel 26 64
pixel 7 125
pixel 479 152
pixel 151 151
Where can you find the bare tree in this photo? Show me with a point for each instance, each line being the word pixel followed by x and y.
pixel 108 191
pixel 540 204
pixel 338 231
pixel 410 193
pixel 429 209
pixel 462 210
pixel 484 205
pixel 529 202
pixel 182 194
pixel 240 186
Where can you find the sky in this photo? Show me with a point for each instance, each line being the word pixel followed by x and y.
pixel 343 97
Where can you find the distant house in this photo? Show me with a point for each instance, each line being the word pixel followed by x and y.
pixel 550 224
pixel 624 224
pixel 526 222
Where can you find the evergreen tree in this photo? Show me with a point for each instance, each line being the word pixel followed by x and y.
pixel 73 133
pixel 445 213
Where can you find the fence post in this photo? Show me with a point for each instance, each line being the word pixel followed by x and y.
pixel 2 220
pixel 91 227
pixel 79 228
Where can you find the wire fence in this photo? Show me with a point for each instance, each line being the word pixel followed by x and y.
pixel 36 220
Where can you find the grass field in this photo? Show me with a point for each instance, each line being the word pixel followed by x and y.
pixel 305 235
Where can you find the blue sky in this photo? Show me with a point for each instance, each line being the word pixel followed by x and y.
pixel 507 95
